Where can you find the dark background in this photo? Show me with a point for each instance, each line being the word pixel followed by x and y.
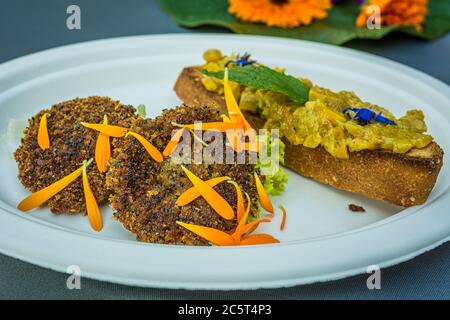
pixel 31 26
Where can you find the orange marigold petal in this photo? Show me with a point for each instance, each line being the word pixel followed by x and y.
pixel 43 138
pixel 225 118
pixel 40 197
pixel 283 221
pixel 261 238
pixel 192 193
pixel 93 212
pixel 250 230
pixel 170 147
pixel 215 200
pixel 252 226
pixel 102 150
pixel 151 149
pixel 234 112
pixel 264 199
pixel 217 237
pixel 241 223
pixel 240 207
pixel 112 131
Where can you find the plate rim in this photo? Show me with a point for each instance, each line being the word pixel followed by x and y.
pixel 403 69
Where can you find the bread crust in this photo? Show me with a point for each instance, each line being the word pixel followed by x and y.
pixel 402 179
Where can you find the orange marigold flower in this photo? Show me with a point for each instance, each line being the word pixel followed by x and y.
pixel 396 12
pixel 280 13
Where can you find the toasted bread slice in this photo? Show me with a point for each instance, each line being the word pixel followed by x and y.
pixel 402 179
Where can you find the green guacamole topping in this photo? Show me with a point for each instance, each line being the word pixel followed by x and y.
pixel 320 121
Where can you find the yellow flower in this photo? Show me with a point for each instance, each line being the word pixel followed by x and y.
pixel 280 13
pixel 396 12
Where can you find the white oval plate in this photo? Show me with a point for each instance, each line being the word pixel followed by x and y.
pixel 323 240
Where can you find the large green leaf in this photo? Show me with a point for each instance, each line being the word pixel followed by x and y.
pixel 338 28
pixel 437 23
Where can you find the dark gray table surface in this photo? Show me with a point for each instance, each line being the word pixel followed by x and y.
pixel 31 26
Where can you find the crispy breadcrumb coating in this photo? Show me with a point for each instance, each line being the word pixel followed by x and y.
pixel 70 144
pixel 145 191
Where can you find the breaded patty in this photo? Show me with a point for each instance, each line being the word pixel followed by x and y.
pixel 145 191
pixel 70 144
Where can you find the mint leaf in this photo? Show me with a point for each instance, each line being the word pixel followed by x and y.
pixel 260 77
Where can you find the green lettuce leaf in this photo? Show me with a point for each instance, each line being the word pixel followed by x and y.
pixel 276 183
pixel 275 176
pixel 261 77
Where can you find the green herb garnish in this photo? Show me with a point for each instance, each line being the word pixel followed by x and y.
pixel 275 177
pixel 260 77
pixel 141 111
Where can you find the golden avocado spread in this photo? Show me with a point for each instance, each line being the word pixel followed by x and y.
pixel 321 121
